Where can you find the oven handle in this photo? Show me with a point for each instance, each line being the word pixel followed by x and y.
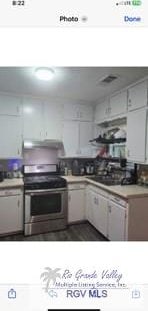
pixel 43 191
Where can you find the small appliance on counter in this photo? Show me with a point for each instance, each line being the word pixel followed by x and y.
pixel 89 168
pixel 75 168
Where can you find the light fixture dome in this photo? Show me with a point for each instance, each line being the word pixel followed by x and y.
pixel 44 73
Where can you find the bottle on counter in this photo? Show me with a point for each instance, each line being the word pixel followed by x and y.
pixel 66 170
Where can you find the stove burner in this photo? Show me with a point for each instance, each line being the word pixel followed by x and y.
pixel 44 182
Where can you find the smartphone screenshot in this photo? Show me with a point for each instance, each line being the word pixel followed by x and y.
pixel 73 155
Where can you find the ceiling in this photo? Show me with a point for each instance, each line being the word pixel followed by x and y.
pixel 78 84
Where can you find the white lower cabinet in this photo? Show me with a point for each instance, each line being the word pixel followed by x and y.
pixel 88 207
pixel 96 211
pixel 76 202
pixel 11 211
pixel 100 214
pixel 116 222
pixel 107 216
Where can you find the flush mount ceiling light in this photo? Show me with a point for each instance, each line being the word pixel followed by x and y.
pixel 44 73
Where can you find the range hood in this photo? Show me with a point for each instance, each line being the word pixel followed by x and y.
pixel 50 143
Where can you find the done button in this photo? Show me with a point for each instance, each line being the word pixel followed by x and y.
pixel 132 19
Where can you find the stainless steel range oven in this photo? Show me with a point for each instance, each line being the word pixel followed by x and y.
pixel 45 199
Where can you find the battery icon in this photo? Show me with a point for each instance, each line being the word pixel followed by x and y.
pixel 136 2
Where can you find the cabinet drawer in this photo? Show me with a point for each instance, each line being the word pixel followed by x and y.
pixel 76 186
pixel 98 191
pixel 118 200
pixel 10 192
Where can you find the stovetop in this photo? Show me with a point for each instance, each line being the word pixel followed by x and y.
pixel 43 176
pixel 44 182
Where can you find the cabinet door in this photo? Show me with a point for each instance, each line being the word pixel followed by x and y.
pixel 85 134
pixel 11 219
pixel 101 112
pixel 78 112
pixel 71 138
pixel 137 96
pixel 85 113
pixel 118 104
pixel 116 222
pixel 10 137
pixel 71 112
pixel 10 105
pixel 136 135
pixel 53 117
pixel 100 214
pixel 89 209
pixel 76 205
pixel 32 119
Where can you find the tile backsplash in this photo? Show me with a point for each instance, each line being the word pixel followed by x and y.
pixel 7 164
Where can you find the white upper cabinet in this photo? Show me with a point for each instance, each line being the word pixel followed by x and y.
pixel 53 116
pixel 32 119
pixel 118 104
pixel 85 134
pixel 102 112
pixel 10 137
pixel 71 138
pixel 10 105
pixel 137 96
pixel 136 135
pixel 76 136
pixel 78 112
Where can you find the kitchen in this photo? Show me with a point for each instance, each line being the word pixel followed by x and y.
pixel 73 154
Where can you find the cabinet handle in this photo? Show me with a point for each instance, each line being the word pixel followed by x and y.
pixel 129 103
pixel 128 152
pixel 95 200
pixel 18 203
pixel 109 209
pixel 18 152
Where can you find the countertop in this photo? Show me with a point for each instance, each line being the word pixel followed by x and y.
pixel 126 192
pixel 12 183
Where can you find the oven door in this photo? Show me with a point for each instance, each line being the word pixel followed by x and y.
pixel 44 205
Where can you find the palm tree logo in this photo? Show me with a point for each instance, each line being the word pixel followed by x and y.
pixel 50 275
